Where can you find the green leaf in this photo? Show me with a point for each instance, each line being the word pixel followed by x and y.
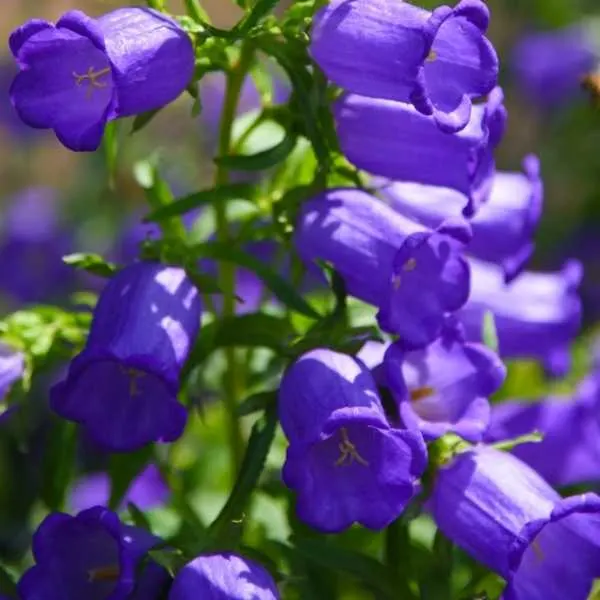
pixel 194 9
pixel 138 518
pixel 142 120
pixel 223 193
pixel 529 438
pixel 364 568
pixel 158 195
pixel 281 288
pixel 206 284
pixel 261 160
pixel 122 470
pixel 490 333
pixel 171 559
pixel 249 331
pixel 227 524
pixel 261 9
pixel 8 587
pixel 257 402
pixel 302 83
pixel 92 263
pixel 437 581
pixel 59 462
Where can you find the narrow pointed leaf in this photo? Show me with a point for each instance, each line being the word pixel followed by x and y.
pixel 234 191
pixel 261 160
pixel 280 287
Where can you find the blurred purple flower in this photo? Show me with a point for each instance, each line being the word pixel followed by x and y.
pixel 91 555
pixel 537 316
pixel 82 72
pixel 569 452
pixel 508 518
pixel 549 66
pixel 33 242
pixel 393 140
pixel 444 388
pixel 123 386
pixel 413 274
pixel 584 245
pixel 147 491
pixel 12 368
pixel 503 227
pixel 437 61
pixel 344 461
pixel 223 576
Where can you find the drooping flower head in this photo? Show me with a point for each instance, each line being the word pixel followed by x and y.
pixel 549 65
pixel 503 227
pixel 537 316
pixel 91 555
pixel 344 461
pixel 33 242
pixel 82 72
pixel 438 61
pixel 413 274
pixel 444 388
pixel 393 140
pixel 123 386
pixel 507 517
pixel 223 576
pixel 569 451
pixel 148 490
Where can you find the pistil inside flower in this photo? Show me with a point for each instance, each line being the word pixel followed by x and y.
pixel 410 264
pixel 107 573
pixel 421 393
pixel 348 450
pixel 431 56
pixel 537 550
pixel 92 76
pixel 134 375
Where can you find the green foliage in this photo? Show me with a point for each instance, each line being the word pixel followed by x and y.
pixel 290 153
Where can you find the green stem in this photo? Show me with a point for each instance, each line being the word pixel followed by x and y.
pixel 232 380
pixel 397 556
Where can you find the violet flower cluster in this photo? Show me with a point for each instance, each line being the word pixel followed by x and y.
pixel 439 240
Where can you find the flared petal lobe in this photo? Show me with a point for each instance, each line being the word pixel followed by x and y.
pixel 503 227
pixel 445 387
pixel 123 386
pixel 91 555
pixel 537 316
pixel 223 576
pixel 393 140
pixel 357 474
pixel 413 274
pixel 393 50
pixel 152 58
